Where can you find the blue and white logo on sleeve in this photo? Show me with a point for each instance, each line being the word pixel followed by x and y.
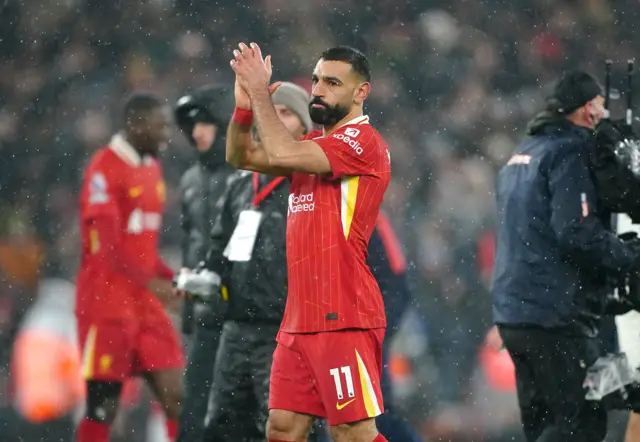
pixel 98 192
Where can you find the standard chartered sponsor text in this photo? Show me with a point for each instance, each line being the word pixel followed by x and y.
pixel 301 203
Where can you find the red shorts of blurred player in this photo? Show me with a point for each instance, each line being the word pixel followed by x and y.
pixel 332 375
pixel 114 350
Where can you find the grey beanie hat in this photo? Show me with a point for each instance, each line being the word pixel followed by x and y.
pixel 296 99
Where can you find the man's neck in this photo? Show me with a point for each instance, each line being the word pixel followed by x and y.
pixel 127 138
pixel 328 130
pixel 123 148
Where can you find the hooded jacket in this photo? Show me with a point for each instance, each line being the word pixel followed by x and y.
pixel 206 181
pixel 203 185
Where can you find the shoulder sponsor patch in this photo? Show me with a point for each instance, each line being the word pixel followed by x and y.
pixel 98 189
pixel 349 137
pixel 351 132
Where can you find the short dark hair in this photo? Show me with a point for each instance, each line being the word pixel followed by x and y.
pixel 139 104
pixel 358 61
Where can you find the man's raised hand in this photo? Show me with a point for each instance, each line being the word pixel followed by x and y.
pixel 252 71
pixel 242 96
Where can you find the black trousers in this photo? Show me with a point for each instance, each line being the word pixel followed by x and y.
pixel 198 380
pixel 550 370
pixel 238 408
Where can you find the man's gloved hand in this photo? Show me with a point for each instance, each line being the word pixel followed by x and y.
pixel 628 287
pixel 617 306
pixel 615 165
pixel 202 283
pixel 628 237
pixel 609 133
pixel 206 289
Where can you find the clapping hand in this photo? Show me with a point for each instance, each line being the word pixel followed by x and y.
pixel 252 71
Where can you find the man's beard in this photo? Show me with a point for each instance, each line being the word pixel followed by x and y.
pixel 147 147
pixel 327 115
pixel 153 149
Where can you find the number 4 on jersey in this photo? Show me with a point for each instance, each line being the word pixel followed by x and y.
pixel 346 371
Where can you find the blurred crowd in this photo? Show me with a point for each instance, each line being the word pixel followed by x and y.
pixel 454 82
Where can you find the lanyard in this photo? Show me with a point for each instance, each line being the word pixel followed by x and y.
pixel 260 196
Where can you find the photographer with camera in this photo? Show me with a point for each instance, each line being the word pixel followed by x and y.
pixel 556 258
pixel 203 117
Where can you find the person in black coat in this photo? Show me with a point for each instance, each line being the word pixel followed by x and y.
pixel 203 117
pixel 256 290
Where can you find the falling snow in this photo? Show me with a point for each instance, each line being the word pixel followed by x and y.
pixel 454 84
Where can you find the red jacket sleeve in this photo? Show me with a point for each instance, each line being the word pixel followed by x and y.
pixel 395 256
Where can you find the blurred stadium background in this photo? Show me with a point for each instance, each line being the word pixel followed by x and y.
pixel 454 82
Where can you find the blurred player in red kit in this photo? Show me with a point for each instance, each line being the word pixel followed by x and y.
pixel 123 285
pixel 328 359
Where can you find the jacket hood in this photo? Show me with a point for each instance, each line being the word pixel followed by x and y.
pixel 210 104
pixel 547 122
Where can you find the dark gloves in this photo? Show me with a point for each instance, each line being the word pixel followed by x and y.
pixel 617 306
pixel 611 132
pixel 210 299
pixel 615 164
pixel 628 296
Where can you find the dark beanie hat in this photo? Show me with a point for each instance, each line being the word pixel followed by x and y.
pixel 575 89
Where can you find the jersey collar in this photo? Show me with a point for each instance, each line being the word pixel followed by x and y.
pixel 124 150
pixel 363 119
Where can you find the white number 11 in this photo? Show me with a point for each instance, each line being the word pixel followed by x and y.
pixel 346 371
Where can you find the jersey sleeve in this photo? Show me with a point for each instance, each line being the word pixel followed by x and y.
pixel 306 137
pixel 100 191
pixel 352 151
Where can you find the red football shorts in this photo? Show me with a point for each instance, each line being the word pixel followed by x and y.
pixel 332 375
pixel 115 350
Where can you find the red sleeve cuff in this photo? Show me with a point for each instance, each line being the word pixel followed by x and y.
pixel 243 117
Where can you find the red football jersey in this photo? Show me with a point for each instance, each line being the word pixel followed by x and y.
pixel 119 183
pixel 329 224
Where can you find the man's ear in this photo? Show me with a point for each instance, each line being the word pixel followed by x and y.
pixel 361 92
